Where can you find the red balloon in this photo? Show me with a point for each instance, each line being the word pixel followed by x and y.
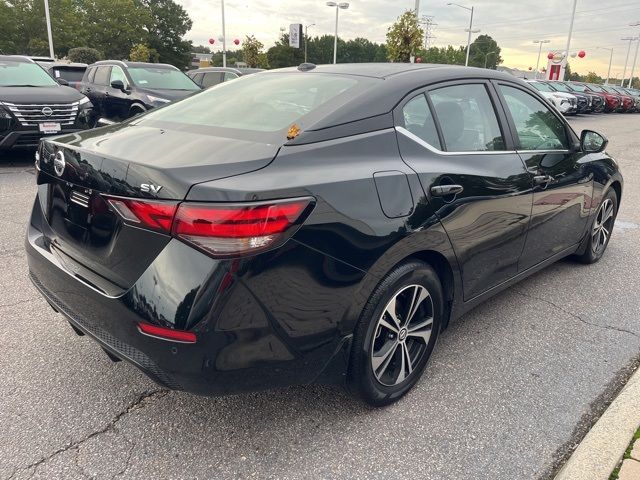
pixel 236 41
pixel 550 56
pixel 212 41
pixel 582 53
pixel 418 59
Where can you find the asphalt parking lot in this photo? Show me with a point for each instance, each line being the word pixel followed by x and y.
pixel 511 388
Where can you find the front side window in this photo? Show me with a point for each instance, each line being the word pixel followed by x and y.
pixel 419 121
pixel 23 74
pixel 211 79
pixel 118 74
pixel 102 76
pixel 161 78
pixel 536 125
pixel 467 118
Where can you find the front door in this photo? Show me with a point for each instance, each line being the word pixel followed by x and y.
pixel 479 188
pixel 562 184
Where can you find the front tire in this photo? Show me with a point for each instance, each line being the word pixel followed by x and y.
pixel 396 334
pixel 601 229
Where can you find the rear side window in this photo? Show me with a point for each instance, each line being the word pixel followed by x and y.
pixel 537 127
pixel 229 76
pixel 91 73
pixel 467 118
pixel 102 76
pixel 211 79
pixel 419 121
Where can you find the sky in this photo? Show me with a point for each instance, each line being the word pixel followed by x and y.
pixel 514 25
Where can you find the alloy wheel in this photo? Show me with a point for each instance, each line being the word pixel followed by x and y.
pixel 402 335
pixel 602 226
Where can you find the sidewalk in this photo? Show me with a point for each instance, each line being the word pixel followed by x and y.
pixel 605 453
pixel 629 468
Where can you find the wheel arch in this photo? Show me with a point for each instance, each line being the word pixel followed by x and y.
pixel 136 106
pixel 617 187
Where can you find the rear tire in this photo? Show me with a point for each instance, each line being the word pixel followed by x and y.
pixel 600 229
pixel 396 334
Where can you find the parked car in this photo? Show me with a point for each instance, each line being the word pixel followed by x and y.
pixel 121 90
pixel 68 74
pixel 587 102
pixel 312 224
pixel 33 105
pixel 628 104
pixel 210 76
pixel 612 102
pixel 635 97
pixel 566 103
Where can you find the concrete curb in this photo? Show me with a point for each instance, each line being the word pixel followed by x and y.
pixel 602 448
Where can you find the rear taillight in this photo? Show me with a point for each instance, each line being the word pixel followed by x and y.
pixel 221 230
pixel 167 333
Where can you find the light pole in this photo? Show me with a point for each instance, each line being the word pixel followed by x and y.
pixel 541 42
pixel 606 82
pixel 224 38
pixel 338 6
pixel 566 52
pixel 486 55
pixel 635 58
pixel 626 62
pixel 46 14
pixel 306 40
pixel 470 29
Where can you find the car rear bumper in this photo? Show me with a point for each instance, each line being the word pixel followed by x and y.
pixel 246 340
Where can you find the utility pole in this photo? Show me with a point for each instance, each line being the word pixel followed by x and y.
pixel 626 62
pixel 541 42
pixel 606 82
pixel 46 13
pixel 428 24
pixel 224 38
pixel 635 58
pixel 306 40
pixel 566 52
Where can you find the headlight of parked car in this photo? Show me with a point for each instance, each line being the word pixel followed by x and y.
pixel 157 101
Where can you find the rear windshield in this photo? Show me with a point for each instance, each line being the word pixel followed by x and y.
pixel 543 87
pixel 161 78
pixel 69 74
pixel 21 74
pixel 262 102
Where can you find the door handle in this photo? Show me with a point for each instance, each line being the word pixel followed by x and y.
pixel 542 179
pixel 445 190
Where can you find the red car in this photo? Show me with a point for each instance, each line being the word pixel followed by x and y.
pixel 628 103
pixel 612 102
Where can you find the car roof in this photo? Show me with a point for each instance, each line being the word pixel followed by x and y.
pixel 239 70
pixel 126 63
pixel 16 58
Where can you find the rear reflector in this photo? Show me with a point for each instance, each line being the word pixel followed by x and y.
pixel 167 333
pixel 221 230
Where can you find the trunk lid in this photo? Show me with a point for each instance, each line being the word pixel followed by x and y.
pixel 79 169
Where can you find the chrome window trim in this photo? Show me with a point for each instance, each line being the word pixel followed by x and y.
pixel 433 149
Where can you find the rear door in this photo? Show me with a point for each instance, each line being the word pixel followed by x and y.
pixel 452 135
pixel 98 88
pixel 562 183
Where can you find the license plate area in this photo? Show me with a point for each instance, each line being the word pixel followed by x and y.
pixel 49 127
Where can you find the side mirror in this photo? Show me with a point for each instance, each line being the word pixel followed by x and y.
pixel 118 85
pixel 592 142
pixel 63 82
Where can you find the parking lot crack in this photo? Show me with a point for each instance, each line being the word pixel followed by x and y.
pixel 142 400
pixel 576 316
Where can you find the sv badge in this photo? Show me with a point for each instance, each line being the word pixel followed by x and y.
pixel 150 188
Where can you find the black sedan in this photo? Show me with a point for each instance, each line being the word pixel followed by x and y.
pixel 312 224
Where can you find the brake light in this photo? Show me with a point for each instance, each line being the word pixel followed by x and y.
pixel 224 230
pixel 167 333
pixel 219 229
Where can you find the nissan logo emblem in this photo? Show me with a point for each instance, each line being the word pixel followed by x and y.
pixel 59 163
pixel 47 112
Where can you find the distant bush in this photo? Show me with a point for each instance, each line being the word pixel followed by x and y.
pixel 84 55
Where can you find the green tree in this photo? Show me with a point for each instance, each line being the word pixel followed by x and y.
pixel 484 48
pixel 140 53
pixel 84 55
pixel 404 37
pixel 449 55
pixel 282 55
pixel 593 77
pixel 251 50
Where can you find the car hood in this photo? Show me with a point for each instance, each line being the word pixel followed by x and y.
pixel 39 95
pixel 119 159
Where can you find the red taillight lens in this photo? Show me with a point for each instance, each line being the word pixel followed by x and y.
pixel 154 215
pixel 236 229
pixel 167 333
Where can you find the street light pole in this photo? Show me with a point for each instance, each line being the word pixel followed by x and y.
pixel 635 58
pixel 306 40
pixel 470 30
pixel 344 6
pixel 224 38
pixel 486 55
pixel 606 82
pixel 48 18
pixel 566 52
pixel 541 42
pixel 626 62
pixel 417 9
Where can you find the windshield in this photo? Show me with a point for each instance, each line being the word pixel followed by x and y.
pixel 596 88
pixel 21 74
pixel 578 88
pixel 561 87
pixel 161 78
pixel 260 102
pixel 543 87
